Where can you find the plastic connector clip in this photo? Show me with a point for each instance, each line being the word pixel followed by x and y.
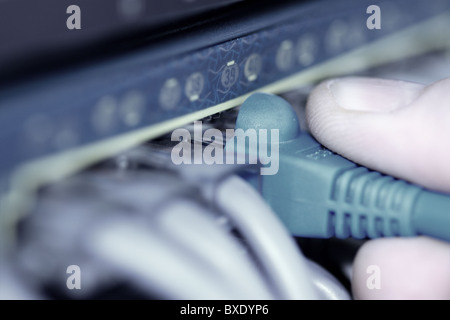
pixel 318 193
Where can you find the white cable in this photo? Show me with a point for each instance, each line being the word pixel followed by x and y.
pixel 199 233
pixel 268 238
pixel 185 225
pixel 153 263
pixel 328 287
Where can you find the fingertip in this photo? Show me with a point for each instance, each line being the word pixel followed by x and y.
pixel 402 269
pixel 324 117
pixel 395 127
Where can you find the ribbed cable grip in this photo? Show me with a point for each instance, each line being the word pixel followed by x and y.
pixel 366 203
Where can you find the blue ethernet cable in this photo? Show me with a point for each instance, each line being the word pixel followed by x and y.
pixel 318 193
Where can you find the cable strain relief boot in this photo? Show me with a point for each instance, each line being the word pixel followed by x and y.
pixel 365 203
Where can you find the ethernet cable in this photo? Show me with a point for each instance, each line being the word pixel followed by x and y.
pixel 272 244
pixel 132 249
pixel 281 264
pixel 288 273
pixel 149 261
pixel 318 193
pixel 171 248
pixel 196 230
pixel 292 274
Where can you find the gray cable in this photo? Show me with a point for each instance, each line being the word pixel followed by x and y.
pixel 198 232
pixel 328 287
pixel 268 238
pixel 154 264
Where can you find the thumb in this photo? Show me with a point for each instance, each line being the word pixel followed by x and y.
pixel 395 127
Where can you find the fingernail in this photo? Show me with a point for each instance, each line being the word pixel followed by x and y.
pixel 373 95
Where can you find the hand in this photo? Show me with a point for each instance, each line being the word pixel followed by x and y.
pixel 401 129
